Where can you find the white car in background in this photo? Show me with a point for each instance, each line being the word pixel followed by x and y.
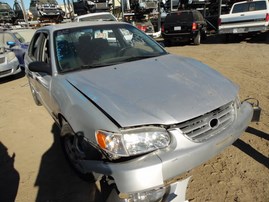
pixel 102 16
pixel 9 64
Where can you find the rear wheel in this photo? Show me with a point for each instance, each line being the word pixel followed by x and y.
pixel 167 42
pixel 197 39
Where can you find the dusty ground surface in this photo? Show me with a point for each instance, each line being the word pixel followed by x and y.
pixel 33 168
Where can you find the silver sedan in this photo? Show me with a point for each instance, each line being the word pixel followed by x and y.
pixel 9 64
pixel 129 111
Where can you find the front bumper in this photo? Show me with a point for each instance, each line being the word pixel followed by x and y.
pixel 9 68
pixel 157 168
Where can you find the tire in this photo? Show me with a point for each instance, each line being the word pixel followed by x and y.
pixel 36 100
pixel 167 43
pixel 197 39
pixel 74 152
pixel 227 38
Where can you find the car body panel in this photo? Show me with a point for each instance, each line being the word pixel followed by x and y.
pixel 159 78
pixel 164 165
pixel 7 67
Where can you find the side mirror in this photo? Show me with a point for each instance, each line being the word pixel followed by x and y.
pixel 38 66
pixel 11 44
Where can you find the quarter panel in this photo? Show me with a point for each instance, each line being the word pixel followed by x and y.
pixel 79 112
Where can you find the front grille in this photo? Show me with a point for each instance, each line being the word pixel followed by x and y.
pixel 5 72
pixel 204 127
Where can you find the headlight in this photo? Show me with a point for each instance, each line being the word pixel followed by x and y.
pixel 133 141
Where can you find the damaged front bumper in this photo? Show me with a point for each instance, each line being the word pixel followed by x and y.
pixel 154 170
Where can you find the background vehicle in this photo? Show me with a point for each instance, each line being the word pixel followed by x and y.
pixel 46 10
pixel 184 25
pixel 17 41
pixel 245 17
pixel 82 7
pixel 7 15
pixel 18 13
pixel 9 64
pixel 105 97
pixel 144 14
pixel 102 16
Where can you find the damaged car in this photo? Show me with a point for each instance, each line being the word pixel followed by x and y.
pixel 9 64
pixel 130 112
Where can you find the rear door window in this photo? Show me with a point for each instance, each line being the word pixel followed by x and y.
pixel 250 6
pixel 259 5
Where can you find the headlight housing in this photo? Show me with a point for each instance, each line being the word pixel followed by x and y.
pixel 132 142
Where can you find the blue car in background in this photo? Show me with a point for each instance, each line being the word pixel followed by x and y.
pixel 17 41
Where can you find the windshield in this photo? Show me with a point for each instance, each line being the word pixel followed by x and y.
pixel 4 6
pixel 102 45
pixel 249 6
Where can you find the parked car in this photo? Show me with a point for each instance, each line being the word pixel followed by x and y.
pixel 142 23
pixel 9 64
pixel 131 113
pixel 184 25
pixel 245 17
pixel 102 16
pixel 82 7
pixel 18 41
pixel 46 10
pixel 7 15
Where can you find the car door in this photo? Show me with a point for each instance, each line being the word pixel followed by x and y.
pixel 40 81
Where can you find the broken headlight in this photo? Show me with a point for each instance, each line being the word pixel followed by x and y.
pixel 132 142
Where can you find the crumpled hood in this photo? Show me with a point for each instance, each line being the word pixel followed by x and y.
pixel 165 90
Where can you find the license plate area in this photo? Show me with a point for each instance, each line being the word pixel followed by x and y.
pixel 177 28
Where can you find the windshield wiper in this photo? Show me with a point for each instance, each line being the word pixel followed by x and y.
pixel 87 66
pixel 139 57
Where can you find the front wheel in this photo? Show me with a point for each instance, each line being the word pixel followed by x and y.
pixel 74 151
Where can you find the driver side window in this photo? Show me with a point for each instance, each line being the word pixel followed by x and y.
pixel 39 48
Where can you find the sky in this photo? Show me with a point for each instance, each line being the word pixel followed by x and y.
pixel 26 2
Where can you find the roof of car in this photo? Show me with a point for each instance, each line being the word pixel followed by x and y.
pixel 79 24
pixel 94 14
pixel 249 1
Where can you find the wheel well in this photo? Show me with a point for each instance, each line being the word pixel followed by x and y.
pixel 61 120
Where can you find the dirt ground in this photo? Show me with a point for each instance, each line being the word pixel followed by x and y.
pixel 33 167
